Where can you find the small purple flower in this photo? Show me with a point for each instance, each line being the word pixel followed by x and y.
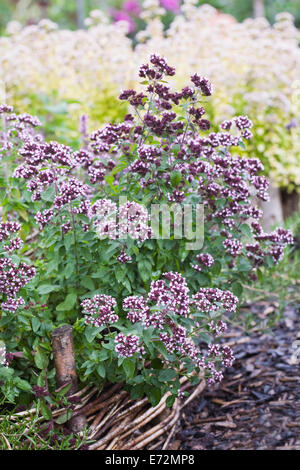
pixel 40 391
pixel 233 246
pixel 171 5
pixel 4 108
pixel 132 7
pixel 12 304
pixel 127 346
pixel 99 310
pixel 13 245
pixel 124 257
pixel 204 259
pixel 203 84
pixel 242 122
pixel 121 15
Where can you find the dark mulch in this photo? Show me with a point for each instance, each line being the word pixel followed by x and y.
pixel 257 406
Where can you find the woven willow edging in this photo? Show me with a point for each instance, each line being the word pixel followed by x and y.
pixel 115 422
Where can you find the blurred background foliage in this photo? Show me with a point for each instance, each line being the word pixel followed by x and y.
pixel 70 14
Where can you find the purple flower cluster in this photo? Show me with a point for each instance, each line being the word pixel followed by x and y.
pixel 134 222
pixel 129 220
pixel 222 354
pixel 47 165
pixel 68 191
pixel 176 196
pixel 203 84
pixel 13 245
pixel 137 309
pixel 4 108
pixel 104 215
pixel 204 259
pixel 242 122
pixel 124 257
pixel 7 229
pixel 171 295
pixel 276 242
pixel 202 161
pixel 128 345
pixel 43 218
pixel 178 342
pixel 100 310
pixel 169 299
pixel 158 70
pixel 12 276
pixel 232 246
pixel 209 300
pixel 218 328
pixel 12 304
pixel 262 185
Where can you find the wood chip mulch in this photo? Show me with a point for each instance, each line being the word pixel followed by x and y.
pixel 257 406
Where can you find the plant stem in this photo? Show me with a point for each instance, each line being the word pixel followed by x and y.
pixel 75 247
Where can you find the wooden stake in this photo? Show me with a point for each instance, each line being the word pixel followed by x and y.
pixel 64 360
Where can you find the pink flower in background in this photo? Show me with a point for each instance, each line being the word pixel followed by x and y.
pixel 132 7
pixel 172 5
pixel 120 15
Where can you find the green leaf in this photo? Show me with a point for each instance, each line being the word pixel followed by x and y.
pixel 154 395
pixel 137 392
pixel 170 401
pixel 101 370
pixel 129 367
pixel 62 419
pixel 127 285
pixel 175 178
pixel 135 250
pixel 48 195
pixel 120 272
pixel 166 375
pixel 63 390
pixel 205 337
pixel 35 323
pixel 69 269
pixel 46 289
pixel 91 333
pixel 157 363
pixel 237 289
pixel 41 359
pixel 260 275
pixel 46 412
pixel 203 279
pixel 88 283
pixel 244 265
pixel 145 270
pixel 23 385
pixel 162 349
pixel 216 268
pixel 246 230
pixel 68 303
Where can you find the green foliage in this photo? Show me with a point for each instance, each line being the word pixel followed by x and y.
pixel 74 262
pixel 26 433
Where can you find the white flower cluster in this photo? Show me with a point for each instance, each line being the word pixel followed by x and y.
pixel 85 67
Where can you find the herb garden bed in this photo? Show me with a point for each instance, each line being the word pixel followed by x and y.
pixel 257 406
pixel 138 296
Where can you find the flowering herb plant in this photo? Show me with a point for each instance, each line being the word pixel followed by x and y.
pixel 146 310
